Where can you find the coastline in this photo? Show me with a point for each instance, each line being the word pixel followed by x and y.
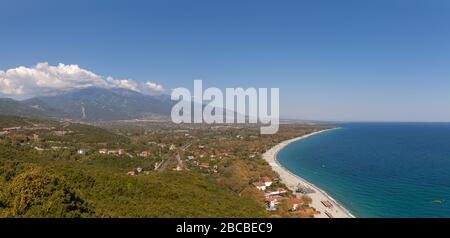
pixel 291 180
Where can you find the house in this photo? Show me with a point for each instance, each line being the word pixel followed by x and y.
pixel 277 192
pixel 131 173
pixel 139 170
pixel 201 146
pixel 294 203
pixel 204 165
pixel 102 151
pixel 273 201
pixel 172 147
pixel 190 157
pixel 59 133
pixel 306 212
pixel 260 186
pixel 267 181
pixel 116 152
pixel 81 152
pixel 145 153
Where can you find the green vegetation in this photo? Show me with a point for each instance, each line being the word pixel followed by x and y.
pixel 12 121
pixel 80 133
pixel 34 186
pixel 66 169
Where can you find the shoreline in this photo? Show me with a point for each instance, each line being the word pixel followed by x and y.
pixel 291 180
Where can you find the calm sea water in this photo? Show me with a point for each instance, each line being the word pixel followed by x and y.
pixel 379 169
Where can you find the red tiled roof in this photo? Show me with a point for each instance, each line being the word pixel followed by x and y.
pixel 294 200
pixel 258 184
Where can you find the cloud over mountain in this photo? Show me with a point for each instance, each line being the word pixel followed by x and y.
pixel 44 79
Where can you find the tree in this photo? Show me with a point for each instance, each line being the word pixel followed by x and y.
pixel 306 200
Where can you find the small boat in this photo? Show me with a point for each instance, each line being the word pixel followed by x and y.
pixel 437 201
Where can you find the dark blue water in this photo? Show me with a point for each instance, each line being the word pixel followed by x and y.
pixel 379 170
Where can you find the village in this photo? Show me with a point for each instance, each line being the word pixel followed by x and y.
pixel 231 155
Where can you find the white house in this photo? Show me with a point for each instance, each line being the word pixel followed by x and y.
pixel 273 201
pixel 294 203
pixel 267 181
pixel 278 192
pixel 260 186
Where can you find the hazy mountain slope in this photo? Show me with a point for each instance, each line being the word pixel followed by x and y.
pixel 97 104
pixel 16 108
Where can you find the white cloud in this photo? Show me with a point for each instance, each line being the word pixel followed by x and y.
pixel 43 79
pixel 154 86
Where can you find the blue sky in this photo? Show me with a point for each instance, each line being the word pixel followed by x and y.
pixel 385 60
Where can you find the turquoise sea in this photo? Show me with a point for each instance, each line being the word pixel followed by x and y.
pixel 379 169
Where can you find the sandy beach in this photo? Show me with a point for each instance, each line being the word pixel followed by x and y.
pixel 292 181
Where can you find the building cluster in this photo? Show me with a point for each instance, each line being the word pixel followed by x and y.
pixel 273 197
pixel 112 152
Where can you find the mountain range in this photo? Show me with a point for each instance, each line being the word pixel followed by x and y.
pixel 90 104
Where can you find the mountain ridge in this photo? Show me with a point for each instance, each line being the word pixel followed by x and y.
pixel 90 104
